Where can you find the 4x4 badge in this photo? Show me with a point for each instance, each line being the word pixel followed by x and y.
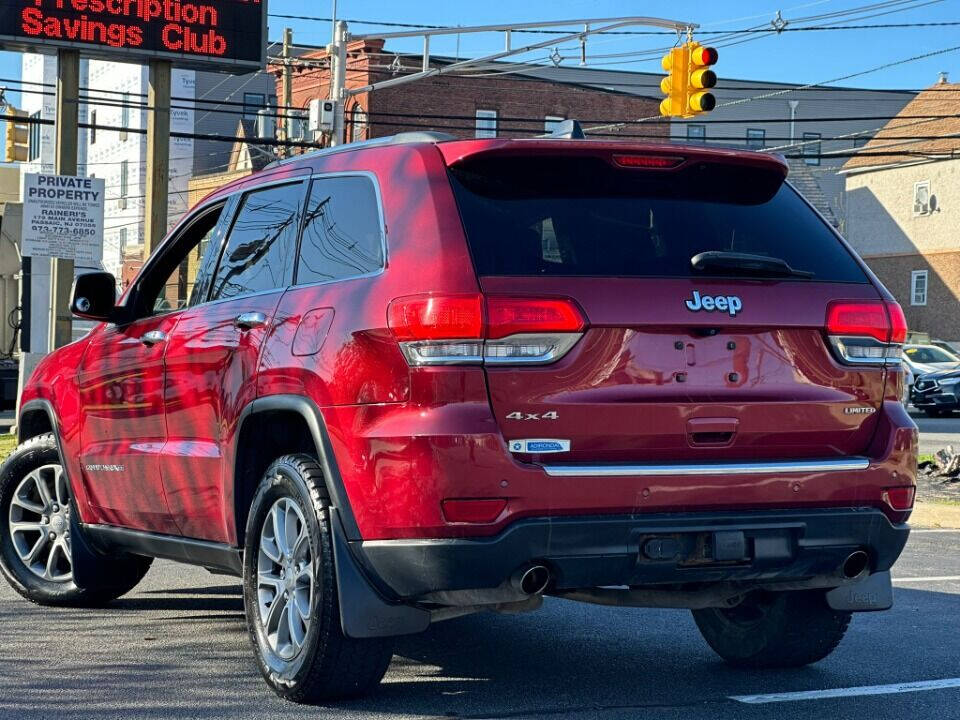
pixel 711 303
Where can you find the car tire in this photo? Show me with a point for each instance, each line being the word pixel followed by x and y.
pixel 774 630
pixel 290 592
pixel 36 520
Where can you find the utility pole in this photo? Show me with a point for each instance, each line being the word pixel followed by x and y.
pixel 158 153
pixel 338 81
pixel 287 94
pixel 60 328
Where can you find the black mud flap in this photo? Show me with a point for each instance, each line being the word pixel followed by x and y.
pixel 89 569
pixel 363 613
pixel 875 592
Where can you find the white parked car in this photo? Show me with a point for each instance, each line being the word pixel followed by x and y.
pixel 928 358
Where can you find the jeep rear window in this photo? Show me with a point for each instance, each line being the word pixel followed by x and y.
pixel 582 216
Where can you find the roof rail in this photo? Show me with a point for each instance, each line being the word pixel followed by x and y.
pixel 416 136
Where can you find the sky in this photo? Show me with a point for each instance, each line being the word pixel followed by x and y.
pixel 800 57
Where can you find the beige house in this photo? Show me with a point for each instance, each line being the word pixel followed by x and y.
pixel 903 209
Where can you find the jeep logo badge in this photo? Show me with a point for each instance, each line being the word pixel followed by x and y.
pixel 710 303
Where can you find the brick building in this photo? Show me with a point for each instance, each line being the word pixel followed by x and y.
pixel 901 211
pixel 482 105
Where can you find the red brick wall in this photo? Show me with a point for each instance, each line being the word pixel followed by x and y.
pixel 509 95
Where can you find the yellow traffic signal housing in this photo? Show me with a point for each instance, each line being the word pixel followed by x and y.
pixel 689 79
pixel 674 85
pixel 18 135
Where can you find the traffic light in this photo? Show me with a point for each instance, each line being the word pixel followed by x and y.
pixel 701 78
pixel 18 135
pixel 688 80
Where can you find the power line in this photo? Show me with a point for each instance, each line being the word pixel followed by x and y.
pixel 778 93
pixel 509 119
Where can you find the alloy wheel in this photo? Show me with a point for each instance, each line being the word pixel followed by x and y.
pixel 40 524
pixel 285 581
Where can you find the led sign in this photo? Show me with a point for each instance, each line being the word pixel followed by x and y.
pixel 206 34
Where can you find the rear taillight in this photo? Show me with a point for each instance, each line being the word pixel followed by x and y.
pixel 866 332
pixel 457 329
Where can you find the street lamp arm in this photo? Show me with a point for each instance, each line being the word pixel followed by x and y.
pixel 614 24
pixel 507 27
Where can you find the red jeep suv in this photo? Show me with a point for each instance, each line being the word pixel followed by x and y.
pixel 399 381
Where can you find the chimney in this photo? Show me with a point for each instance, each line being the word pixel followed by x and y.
pixel 942 80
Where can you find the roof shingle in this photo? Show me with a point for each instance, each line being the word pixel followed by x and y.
pixel 939 99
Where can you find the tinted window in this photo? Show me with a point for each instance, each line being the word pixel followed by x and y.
pixel 260 245
pixel 582 216
pixel 342 235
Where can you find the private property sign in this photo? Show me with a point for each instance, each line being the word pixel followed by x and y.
pixel 63 217
pixel 206 34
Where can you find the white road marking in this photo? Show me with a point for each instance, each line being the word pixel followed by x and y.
pixel 941 578
pixel 915 531
pixel 892 689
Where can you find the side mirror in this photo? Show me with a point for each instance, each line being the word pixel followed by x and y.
pixel 94 296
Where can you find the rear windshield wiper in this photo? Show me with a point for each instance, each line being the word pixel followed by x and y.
pixel 746 263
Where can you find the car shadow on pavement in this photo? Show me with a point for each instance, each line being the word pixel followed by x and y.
pixel 569 657
pixel 215 598
pixel 564 659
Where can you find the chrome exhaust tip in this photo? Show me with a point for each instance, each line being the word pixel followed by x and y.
pixel 531 580
pixel 855 565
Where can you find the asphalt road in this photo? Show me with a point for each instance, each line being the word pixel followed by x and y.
pixel 937 433
pixel 177 647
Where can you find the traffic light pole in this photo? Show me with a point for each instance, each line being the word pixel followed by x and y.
pixel 286 97
pixel 338 82
pixel 158 153
pixel 67 125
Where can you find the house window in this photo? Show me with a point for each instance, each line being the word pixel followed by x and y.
pixel 486 126
pixel 93 126
pixel 123 239
pixel 124 116
pixel 696 133
pixel 550 123
pixel 756 138
pixel 124 186
pixel 33 139
pixel 921 198
pixel 918 287
pixel 811 148
pixel 252 103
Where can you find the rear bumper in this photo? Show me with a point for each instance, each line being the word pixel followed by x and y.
pixel 586 552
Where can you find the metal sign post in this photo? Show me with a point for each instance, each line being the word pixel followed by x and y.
pixel 67 126
pixel 158 153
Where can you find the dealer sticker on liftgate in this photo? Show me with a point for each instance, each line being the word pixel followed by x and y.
pixel 539 445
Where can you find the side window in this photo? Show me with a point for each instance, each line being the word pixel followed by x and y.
pixel 173 283
pixel 260 246
pixel 342 235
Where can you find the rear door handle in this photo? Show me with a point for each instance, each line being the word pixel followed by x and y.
pixel 153 337
pixel 250 320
